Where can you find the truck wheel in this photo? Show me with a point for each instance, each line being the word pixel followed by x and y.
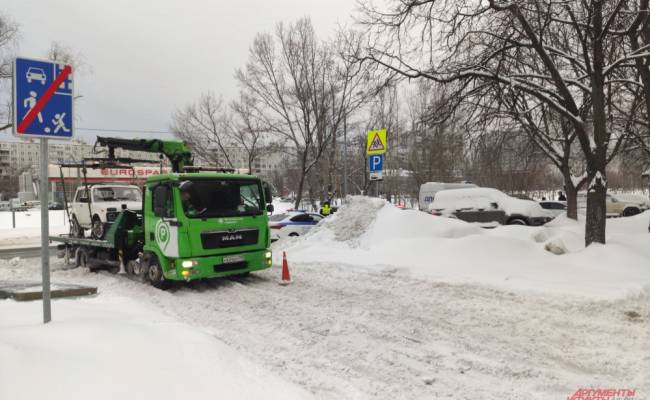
pixel 81 258
pixel 516 221
pixel 132 266
pixel 75 228
pixel 155 274
pixel 97 230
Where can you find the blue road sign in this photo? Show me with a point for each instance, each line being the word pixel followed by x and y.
pixel 376 162
pixel 43 99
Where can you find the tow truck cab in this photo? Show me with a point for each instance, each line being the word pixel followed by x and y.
pixel 207 224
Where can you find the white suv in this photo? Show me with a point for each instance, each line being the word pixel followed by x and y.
pixel 99 206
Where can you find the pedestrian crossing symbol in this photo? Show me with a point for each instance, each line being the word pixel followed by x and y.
pixel 376 142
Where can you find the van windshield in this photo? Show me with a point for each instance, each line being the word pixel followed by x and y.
pixel 207 198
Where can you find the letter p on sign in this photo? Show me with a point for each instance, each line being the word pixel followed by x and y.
pixel 376 162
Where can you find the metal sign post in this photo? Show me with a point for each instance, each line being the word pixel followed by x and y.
pixel 43 108
pixel 45 231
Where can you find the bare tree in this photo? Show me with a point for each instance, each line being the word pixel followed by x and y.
pixel 201 125
pixel 8 37
pixel 304 91
pixel 247 130
pixel 567 56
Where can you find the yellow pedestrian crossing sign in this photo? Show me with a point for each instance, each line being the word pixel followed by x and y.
pixel 376 142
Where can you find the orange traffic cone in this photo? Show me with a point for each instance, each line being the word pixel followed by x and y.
pixel 286 277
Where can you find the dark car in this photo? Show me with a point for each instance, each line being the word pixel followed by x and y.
pixel 55 206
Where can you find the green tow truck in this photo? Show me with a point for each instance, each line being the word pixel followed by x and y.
pixel 195 223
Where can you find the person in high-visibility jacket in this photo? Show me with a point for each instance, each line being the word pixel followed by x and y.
pixel 325 209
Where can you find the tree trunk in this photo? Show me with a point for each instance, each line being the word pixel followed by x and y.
pixel 597 157
pixel 596 215
pixel 301 185
pixel 571 199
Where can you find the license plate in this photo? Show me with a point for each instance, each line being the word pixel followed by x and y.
pixel 232 259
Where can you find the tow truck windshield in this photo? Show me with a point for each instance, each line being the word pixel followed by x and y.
pixel 223 198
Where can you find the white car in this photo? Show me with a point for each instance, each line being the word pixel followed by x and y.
pixel 36 74
pixel 99 208
pixel 295 223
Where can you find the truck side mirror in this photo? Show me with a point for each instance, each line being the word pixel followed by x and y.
pixel 270 208
pixel 268 195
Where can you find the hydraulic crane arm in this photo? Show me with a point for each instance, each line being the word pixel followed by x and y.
pixel 177 152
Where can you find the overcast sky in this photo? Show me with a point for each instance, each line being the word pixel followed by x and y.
pixel 149 58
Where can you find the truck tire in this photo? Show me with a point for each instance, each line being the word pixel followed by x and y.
pixel 97 228
pixel 154 273
pixel 516 221
pixel 75 229
pixel 81 258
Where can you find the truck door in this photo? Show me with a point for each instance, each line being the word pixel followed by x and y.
pixel 161 224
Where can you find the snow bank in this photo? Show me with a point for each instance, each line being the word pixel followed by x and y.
pixel 28 228
pixel 371 233
pixel 118 349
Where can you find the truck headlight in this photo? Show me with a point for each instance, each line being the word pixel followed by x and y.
pixel 189 263
pixel 268 254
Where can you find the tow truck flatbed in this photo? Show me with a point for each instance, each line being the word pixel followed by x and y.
pixel 67 239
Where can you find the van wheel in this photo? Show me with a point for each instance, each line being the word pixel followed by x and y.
pixel 75 229
pixel 293 234
pixel 97 230
pixel 516 221
pixel 155 273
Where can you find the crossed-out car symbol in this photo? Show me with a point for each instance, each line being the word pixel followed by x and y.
pixel 36 74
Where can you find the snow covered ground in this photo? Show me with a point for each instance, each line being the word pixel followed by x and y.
pixel 393 304
pixel 28 228
pixel 115 348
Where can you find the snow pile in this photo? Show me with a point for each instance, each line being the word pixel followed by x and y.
pixel 352 220
pixel 548 259
pixel 116 348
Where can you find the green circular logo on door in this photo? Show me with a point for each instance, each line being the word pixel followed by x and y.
pixel 162 233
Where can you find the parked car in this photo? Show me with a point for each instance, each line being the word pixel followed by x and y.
pixel 642 201
pixel 615 207
pixel 428 191
pixel 55 205
pixel 98 207
pixel 553 207
pixel 294 223
pixel 488 207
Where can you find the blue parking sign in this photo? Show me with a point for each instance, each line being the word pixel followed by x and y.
pixel 43 99
pixel 376 162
